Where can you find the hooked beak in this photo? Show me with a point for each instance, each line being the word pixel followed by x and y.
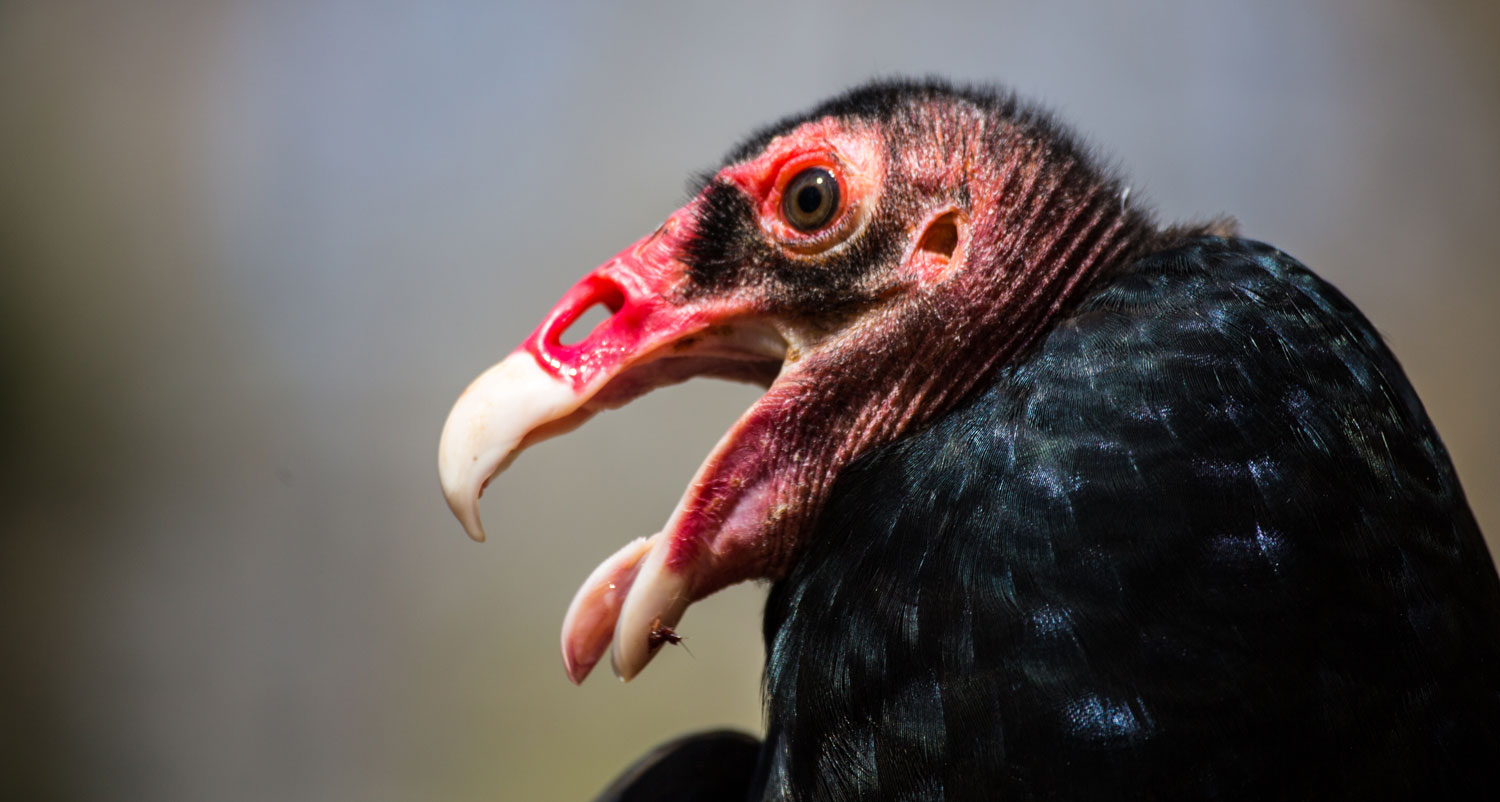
pixel 654 336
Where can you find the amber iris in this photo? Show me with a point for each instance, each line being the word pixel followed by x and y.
pixel 811 199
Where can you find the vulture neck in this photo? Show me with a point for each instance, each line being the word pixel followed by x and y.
pixel 1043 225
pixel 1044 229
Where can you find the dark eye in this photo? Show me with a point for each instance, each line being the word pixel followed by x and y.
pixel 811 200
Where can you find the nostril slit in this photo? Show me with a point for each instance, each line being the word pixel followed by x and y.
pixel 584 325
pixel 584 310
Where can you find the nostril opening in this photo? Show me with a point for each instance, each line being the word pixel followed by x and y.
pixel 589 308
pixel 612 297
pixel 584 325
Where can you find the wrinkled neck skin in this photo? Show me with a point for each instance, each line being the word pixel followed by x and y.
pixel 1042 225
pixel 917 332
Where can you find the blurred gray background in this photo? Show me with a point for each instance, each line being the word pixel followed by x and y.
pixel 250 253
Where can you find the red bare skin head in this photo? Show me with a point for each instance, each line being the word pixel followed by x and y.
pixel 869 269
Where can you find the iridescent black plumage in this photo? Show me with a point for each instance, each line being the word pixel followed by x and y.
pixel 1193 537
pixel 1200 542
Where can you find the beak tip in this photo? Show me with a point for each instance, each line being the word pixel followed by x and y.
pixel 575 675
pixel 465 507
pixel 488 424
pixel 625 668
pixel 469 517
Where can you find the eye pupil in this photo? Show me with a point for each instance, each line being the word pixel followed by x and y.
pixel 811 199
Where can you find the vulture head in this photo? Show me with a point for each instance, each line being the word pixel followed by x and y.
pixel 1056 502
pixel 869 263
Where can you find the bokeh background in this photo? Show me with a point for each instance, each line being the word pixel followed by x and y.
pixel 251 251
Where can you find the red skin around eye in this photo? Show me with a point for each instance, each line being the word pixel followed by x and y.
pixel 848 156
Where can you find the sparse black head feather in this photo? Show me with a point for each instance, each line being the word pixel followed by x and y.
pixel 882 100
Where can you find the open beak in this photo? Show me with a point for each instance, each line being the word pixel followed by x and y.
pixel 655 335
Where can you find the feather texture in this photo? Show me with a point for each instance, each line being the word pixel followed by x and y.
pixel 1200 541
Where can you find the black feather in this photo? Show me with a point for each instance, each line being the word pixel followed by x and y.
pixel 1201 542
pixel 707 767
pixel 882 101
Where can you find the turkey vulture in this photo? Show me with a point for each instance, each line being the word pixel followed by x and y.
pixel 1056 502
